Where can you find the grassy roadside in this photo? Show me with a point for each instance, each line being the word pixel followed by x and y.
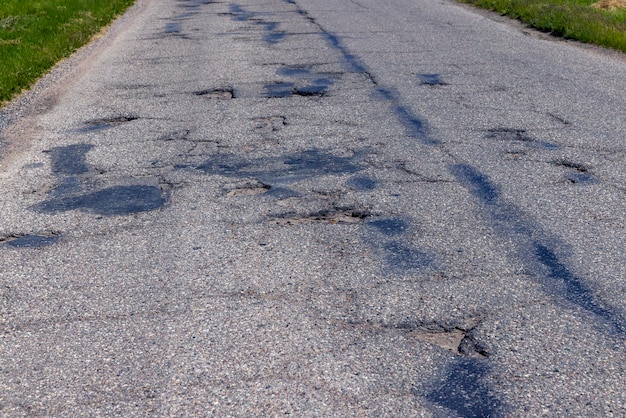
pixel 35 34
pixel 602 24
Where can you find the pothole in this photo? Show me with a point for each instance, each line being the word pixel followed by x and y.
pixel 104 123
pixel 115 120
pixel 457 339
pixel 431 80
pixel 581 178
pixel 310 91
pixel 271 123
pixel 580 167
pixel 328 216
pixel 581 174
pixel 518 135
pixel 250 189
pixel 222 93
pixel 389 226
pixel 509 134
pixel 448 340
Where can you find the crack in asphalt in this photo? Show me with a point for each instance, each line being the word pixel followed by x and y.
pixel 507 219
pixel 464 390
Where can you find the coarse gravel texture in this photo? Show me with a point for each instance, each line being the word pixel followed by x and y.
pixel 316 208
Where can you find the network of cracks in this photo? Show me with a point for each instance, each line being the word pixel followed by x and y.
pixel 463 389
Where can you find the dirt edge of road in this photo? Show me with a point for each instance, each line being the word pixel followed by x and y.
pixel 537 34
pixel 18 117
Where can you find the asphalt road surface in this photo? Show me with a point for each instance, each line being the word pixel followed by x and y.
pixel 317 208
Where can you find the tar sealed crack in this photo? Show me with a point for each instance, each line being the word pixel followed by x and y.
pixel 464 389
pixel 581 168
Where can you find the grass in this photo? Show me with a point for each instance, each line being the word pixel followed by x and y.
pixel 571 19
pixel 36 34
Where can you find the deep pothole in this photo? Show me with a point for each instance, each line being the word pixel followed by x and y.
pixel 456 339
pixel 337 215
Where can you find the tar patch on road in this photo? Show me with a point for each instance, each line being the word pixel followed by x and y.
pixel 316 88
pixel 117 200
pixel 390 226
pixel 240 14
pixel 288 168
pixel 414 126
pixel 362 183
pixel 431 80
pixel 106 123
pixel 30 240
pixel 518 135
pixel 70 167
pixel 534 247
pixel 221 93
pixel 578 173
pixel 464 391
pixel 173 27
pixel 69 160
pixel 279 89
pixel 390 238
pixel 336 215
pixel 401 258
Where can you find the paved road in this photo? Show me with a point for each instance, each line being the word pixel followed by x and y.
pixel 317 208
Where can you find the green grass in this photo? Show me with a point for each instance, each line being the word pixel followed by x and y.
pixel 571 19
pixel 36 34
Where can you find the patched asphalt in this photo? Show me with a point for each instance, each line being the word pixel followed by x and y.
pixel 316 208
